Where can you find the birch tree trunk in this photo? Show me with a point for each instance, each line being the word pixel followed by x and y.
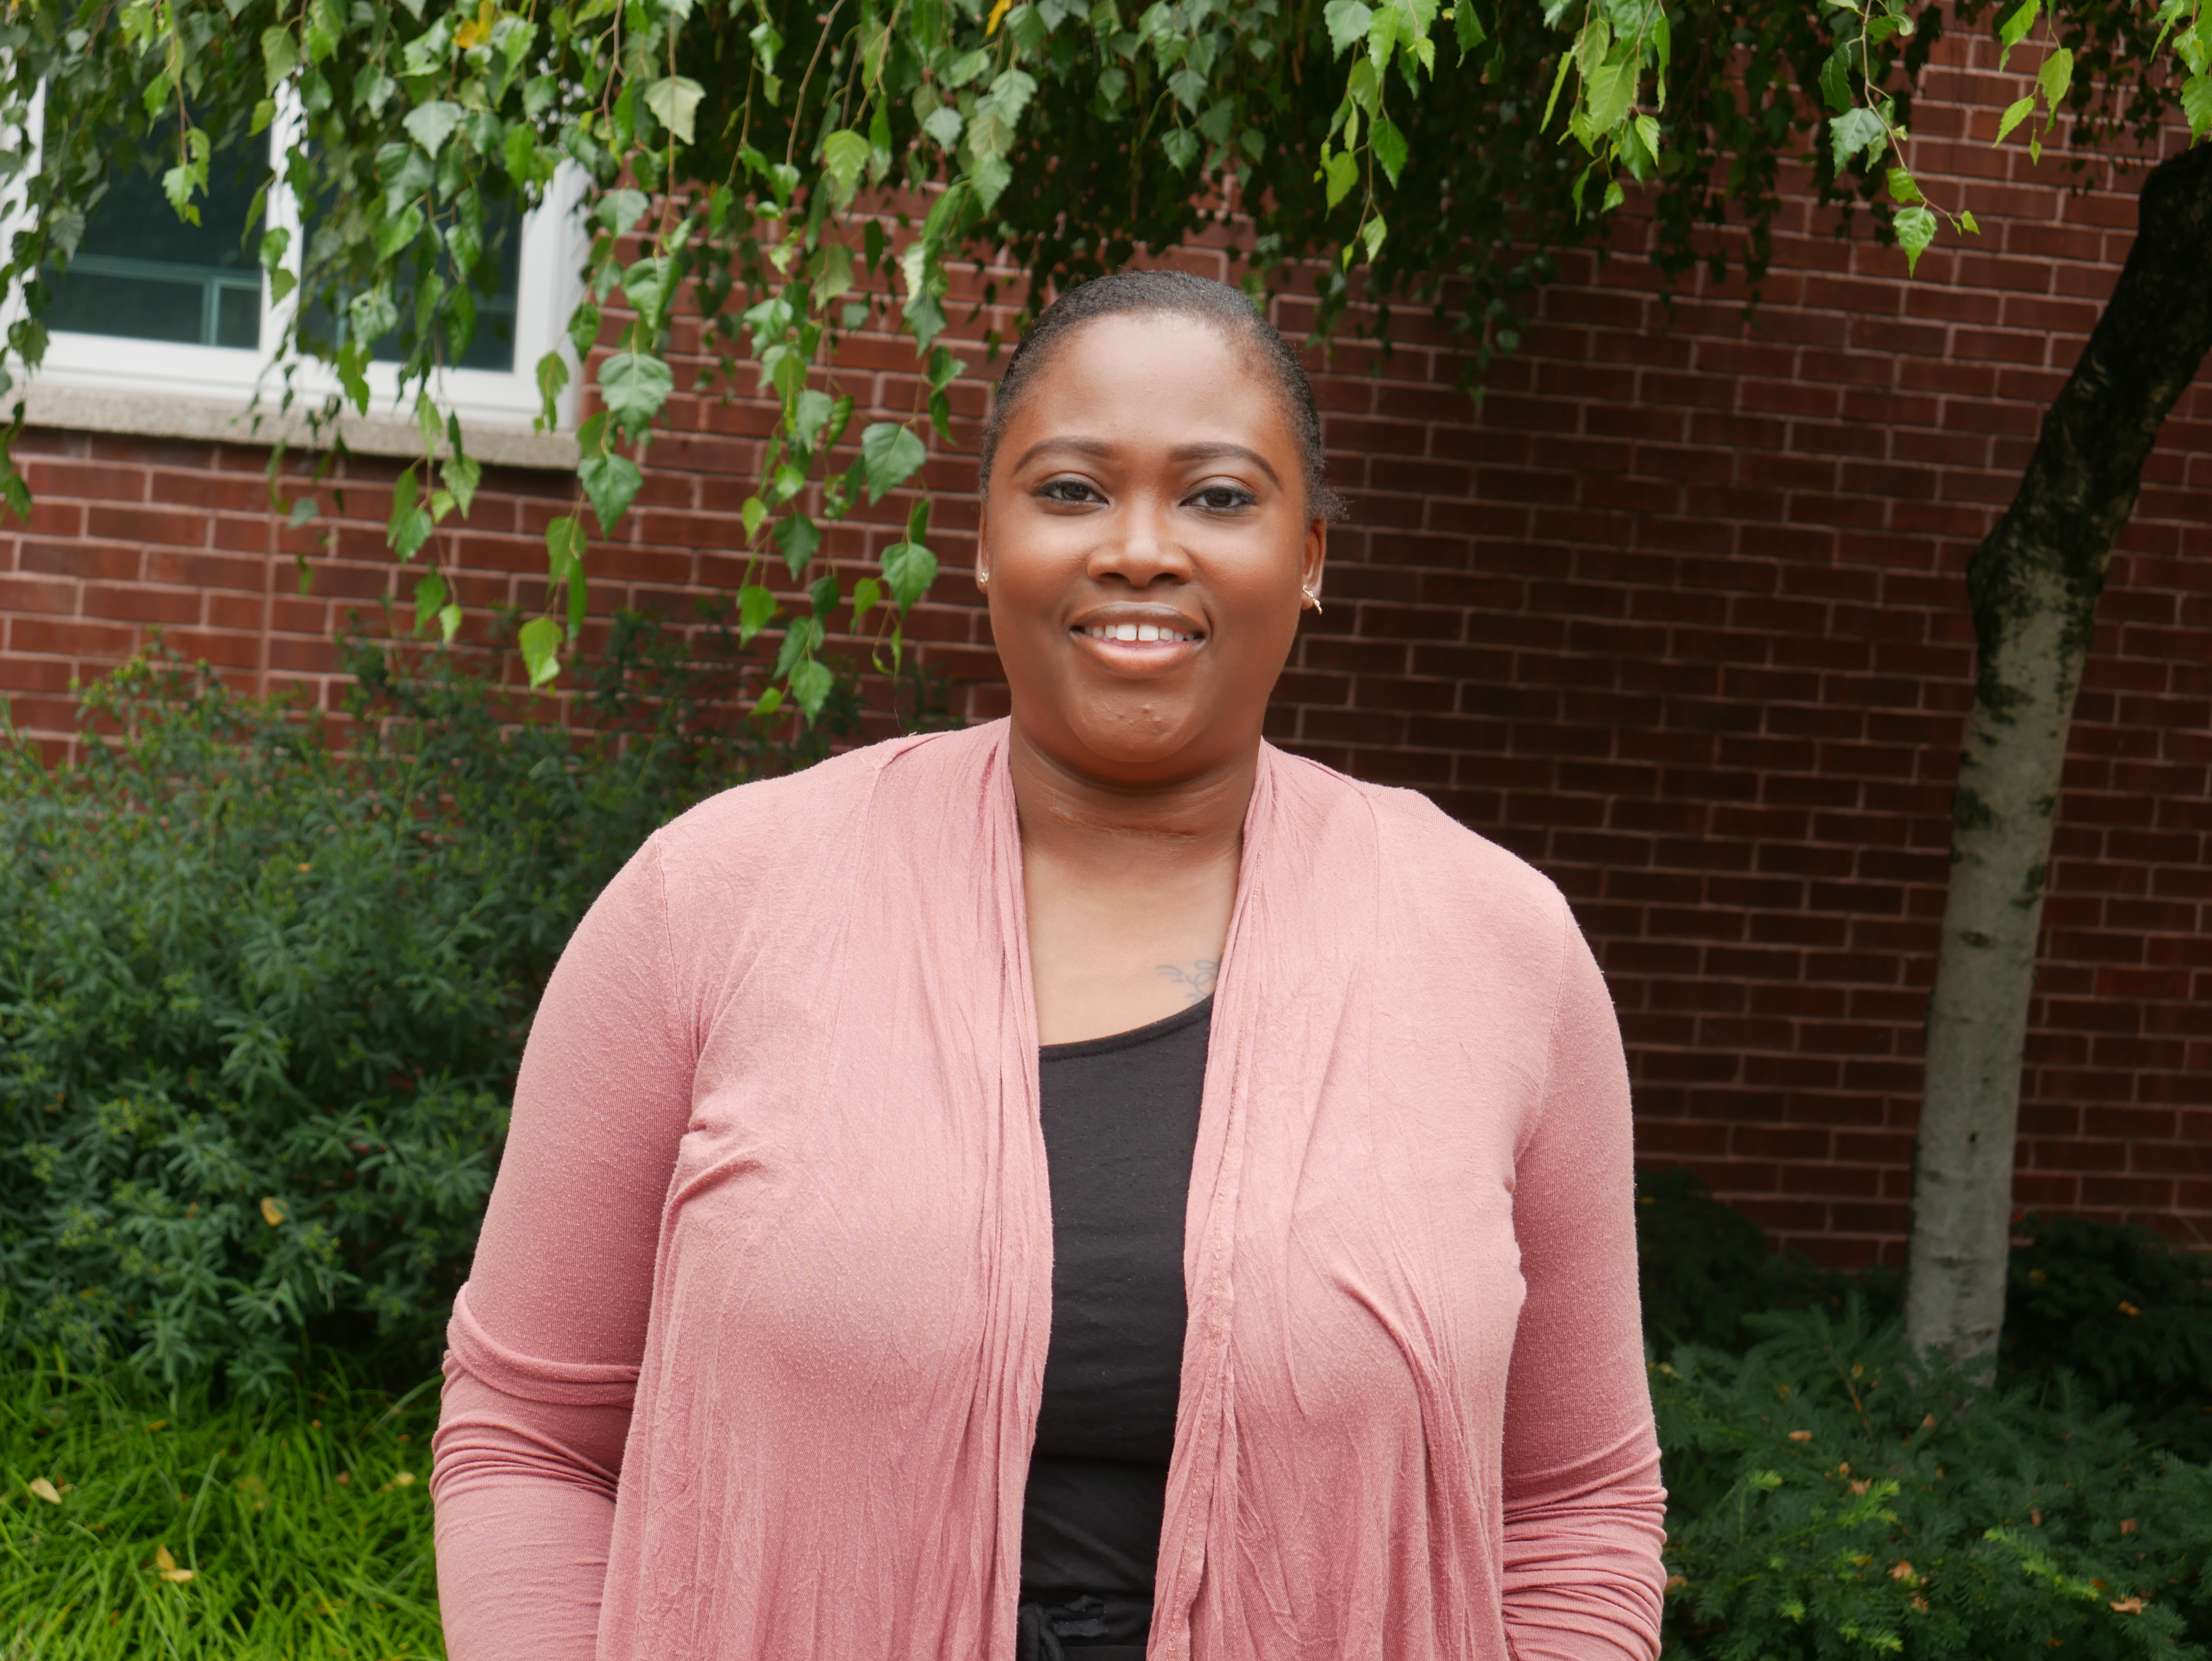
pixel 2033 585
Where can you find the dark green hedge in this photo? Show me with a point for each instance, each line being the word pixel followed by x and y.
pixel 261 1003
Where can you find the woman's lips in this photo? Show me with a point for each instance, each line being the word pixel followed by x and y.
pixel 1135 647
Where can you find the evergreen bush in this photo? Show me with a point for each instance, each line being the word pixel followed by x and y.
pixel 262 1002
pixel 1831 1497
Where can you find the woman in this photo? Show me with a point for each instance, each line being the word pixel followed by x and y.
pixel 1087 1184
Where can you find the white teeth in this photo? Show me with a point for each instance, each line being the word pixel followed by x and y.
pixel 1134 632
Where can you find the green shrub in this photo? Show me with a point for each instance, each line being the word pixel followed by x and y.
pixel 2125 1312
pixel 1833 1499
pixel 134 1524
pixel 261 1004
pixel 1704 1269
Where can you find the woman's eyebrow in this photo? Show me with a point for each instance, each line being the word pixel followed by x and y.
pixel 1101 449
pixel 1223 451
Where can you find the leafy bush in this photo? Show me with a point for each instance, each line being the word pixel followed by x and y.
pixel 1832 1498
pixel 2117 1314
pixel 261 1003
pixel 133 1523
pixel 2125 1310
pixel 1704 1269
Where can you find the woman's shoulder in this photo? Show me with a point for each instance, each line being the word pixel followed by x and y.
pixel 806 815
pixel 1413 842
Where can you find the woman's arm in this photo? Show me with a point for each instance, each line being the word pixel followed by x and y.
pixel 1583 1505
pixel 546 1336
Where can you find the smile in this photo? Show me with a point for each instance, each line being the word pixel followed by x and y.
pixel 1135 631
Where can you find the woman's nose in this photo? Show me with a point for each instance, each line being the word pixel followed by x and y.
pixel 1140 546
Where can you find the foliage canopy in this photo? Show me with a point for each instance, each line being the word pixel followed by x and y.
pixel 786 172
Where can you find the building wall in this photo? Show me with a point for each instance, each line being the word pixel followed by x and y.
pixel 1678 616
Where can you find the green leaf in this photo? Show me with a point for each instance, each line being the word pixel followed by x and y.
pixel 810 414
pixel 1372 233
pixel 1180 146
pixel 1607 94
pixel 449 621
pixel 431 125
pixel 1614 196
pixel 2016 28
pixel 564 546
pixel 824 595
pixel 1348 23
pixel 1836 80
pixel 611 482
pixel 2056 76
pixel 811 684
pixel 674 100
pixel 757 609
pixel 2196 103
pixel 1188 85
pixel 2015 112
pixel 889 454
pixel 462 474
pixel 752 513
pixel 1854 132
pixel 798 536
pixel 411 524
pixel 867 594
pixel 540 641
pixel 617 210
pixel 1389 146
pixel 1342 169
pixel 280 56
pixel 429 601
pixel 990 176
pixel 1916 229
pixel 552 380
pixel 635 385
pixel 1901 187
pixel 844 156
pixel 1967 223
pixel 909 570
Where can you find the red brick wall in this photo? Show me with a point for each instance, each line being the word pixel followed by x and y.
pixel 1679 617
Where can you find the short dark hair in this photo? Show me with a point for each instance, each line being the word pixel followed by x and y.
pixel 1175 294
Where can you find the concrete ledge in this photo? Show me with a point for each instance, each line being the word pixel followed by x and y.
pixel 154 415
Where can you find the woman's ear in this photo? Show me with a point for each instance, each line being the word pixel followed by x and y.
pixel 983 546
pixel 1316 555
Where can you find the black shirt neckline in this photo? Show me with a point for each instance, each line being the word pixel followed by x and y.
pixel 1202 1010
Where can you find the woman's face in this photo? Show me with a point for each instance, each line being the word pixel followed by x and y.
pixel 1143 542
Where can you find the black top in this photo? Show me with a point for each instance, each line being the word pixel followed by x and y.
pixel 1121 1126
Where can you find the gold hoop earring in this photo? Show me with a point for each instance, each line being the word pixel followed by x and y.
pixel 1313 600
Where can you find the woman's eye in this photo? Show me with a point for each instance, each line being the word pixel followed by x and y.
pixel 1223 498
pixel 1068 490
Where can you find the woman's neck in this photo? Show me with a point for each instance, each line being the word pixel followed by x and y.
pixel 1129 888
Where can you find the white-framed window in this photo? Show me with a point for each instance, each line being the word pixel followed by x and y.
pixel 152 307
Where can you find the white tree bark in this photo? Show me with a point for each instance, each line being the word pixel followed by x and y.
pixel 2034 584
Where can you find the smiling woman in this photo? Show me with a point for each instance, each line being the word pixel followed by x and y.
pixel 1144 1194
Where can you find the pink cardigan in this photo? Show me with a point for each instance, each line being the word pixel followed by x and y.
pixel 748 1365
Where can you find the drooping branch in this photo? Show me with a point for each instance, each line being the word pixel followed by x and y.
pixel 2033 584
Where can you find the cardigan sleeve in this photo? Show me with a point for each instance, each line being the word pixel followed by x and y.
pixel 546 1337
pixel 1583 1504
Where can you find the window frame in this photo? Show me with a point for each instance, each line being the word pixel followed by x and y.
pixel 550 281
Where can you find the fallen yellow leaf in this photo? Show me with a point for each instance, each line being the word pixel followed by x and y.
pixel 2128 1605
pixel 405 1480
pixel 271 1213
pixel 46 1490
pixel 2127 1525
pixel 166 1567
pixel 997 16
pixel 1800 1435
pixel 2127 1308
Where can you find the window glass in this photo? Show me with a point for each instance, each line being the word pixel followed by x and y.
pixel 143 274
